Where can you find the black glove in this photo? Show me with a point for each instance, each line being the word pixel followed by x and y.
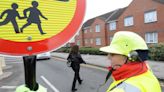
pixel 84 62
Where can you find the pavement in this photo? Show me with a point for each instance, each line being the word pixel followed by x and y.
pixel 94 60
pixel 102 61
pixel 54 75
pixel 5 75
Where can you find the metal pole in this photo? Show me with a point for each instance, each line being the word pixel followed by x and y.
pixel 30 72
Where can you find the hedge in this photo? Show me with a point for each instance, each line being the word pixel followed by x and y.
pixel 156 51
pixel 63 49
pixel 92 51
pixel 83 50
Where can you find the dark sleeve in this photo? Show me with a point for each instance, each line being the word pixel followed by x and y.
pixel 68 56
pixel 79 55
pixel 81 59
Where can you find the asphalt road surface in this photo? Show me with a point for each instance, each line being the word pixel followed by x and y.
pixel 54 75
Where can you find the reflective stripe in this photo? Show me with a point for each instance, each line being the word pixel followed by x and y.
pixel 117 90
pixel 140 83
pixel 127 88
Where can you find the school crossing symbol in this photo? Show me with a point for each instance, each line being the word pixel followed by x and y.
pixel 24 22
pixel 39 19
pixel 33 17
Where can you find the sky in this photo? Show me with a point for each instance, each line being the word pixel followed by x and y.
pixel 98 7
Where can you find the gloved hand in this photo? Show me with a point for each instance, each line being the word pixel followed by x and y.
pixel 23 88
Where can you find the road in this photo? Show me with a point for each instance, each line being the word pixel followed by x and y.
pixel 55 76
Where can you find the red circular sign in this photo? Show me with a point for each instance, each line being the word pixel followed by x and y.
pixel 48 44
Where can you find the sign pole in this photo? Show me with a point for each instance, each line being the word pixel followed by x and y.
pixel 51 31
pixel 30 72
pixel 30 76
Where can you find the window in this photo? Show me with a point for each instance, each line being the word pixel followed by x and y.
pixel 150 16
pixel 97 28
pixel 86 41
pixel 91 41
pixel 151 37
pixel 128 21
pixel 90 29
pixel 85 31
pixel 98 41
pixel 112 26
pixel 78 42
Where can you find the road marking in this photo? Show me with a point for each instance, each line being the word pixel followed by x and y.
pixel 8 87
pixel 49 84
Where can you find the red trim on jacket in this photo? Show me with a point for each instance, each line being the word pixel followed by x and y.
pixel 129 70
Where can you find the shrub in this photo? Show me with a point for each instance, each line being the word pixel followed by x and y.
pixel 156 52
pixel 63 49
pixel 92 51
pixel 83 50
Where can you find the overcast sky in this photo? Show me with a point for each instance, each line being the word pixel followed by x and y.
pixel 99 7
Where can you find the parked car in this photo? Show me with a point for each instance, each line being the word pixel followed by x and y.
pixel 46 55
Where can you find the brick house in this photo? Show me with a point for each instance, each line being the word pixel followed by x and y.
pixel 94 31
pixel 144 17
pixel 112 24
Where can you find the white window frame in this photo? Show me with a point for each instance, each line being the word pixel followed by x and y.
pixel 151 37
pixel 85 31
pixel 91 30
pixel 97 28
pixel 150 16
pixel 98 41
pixel 86 41
pixel 112 25
pixel 91 40
pixel 128 21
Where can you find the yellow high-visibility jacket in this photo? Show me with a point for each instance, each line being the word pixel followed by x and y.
pixel 145 82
